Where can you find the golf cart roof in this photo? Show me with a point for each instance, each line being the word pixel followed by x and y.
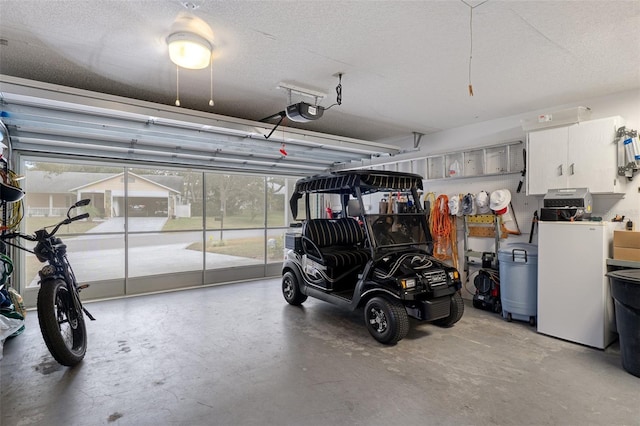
pixel 345 182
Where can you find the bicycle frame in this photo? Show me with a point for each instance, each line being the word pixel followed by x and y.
pixel 58 267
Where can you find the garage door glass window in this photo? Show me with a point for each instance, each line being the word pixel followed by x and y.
pixel 50 189
pixel 154 229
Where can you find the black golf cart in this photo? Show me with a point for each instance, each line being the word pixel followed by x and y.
pixel 360 258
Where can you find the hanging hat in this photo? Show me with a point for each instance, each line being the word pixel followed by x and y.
pixel 482 202
pixel 10 193
pixel 454 205
pixel 6 268
pixel 499 201
pixel 469 204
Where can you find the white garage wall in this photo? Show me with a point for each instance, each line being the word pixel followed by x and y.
pixel 625 104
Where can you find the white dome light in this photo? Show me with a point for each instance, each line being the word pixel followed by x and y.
pixel 189 50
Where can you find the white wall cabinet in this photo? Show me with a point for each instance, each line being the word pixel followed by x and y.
pixel 583 155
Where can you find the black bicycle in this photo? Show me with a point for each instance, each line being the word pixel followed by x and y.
pixel 60 311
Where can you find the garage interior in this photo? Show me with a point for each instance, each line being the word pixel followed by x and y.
pixel 190 172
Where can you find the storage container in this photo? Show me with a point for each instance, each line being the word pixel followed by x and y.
pixel 625 289
pixel 293 241
pixel 519 281
pixel 563 117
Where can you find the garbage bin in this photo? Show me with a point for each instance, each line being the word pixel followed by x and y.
pixel 625 289
pixel 518 263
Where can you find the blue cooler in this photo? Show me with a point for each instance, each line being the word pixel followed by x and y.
pixel 519 281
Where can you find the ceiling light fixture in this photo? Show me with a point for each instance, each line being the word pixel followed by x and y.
pixel 190 45
pixel 189 50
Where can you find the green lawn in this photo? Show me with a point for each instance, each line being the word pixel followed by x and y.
pixel 252 248
pixel 231 222
pixel 179 224
pixel 35 223
pixel 183 224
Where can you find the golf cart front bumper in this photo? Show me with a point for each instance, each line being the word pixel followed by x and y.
pixel 429 310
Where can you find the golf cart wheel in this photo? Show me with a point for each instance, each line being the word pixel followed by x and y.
pixel 509 318
pixel 455 312
pixel 386 320
pixel 291 289
pixel 532 321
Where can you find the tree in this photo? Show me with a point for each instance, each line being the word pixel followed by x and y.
pixel 275 195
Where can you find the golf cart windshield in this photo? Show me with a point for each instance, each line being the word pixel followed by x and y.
pixel 400 229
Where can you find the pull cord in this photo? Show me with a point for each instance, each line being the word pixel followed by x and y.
pixel 471 39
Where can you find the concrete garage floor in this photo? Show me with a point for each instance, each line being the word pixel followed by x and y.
pixel 239 355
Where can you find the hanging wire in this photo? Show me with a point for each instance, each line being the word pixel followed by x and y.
pixel 470 49
pixel 177 85
pixel 283 149
pixel 338 93
pixel 471 39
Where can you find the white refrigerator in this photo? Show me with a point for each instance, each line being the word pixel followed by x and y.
pixel 574 301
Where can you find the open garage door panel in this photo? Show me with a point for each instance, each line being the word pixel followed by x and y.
pixel 148 207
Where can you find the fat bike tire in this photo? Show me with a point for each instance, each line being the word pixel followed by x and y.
pixel 63 328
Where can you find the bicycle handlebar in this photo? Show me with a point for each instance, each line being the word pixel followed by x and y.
pixel 12 235
pixel 66 222
pixel 79 217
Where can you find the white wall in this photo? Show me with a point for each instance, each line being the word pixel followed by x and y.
pixel 625 104
pixel 183 210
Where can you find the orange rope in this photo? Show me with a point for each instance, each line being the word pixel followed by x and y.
pixel 441 228
pixel 431 198
pixel 454 242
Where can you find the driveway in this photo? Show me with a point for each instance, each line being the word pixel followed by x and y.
pixel 136 224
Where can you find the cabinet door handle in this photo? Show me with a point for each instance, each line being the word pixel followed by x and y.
pixel 571 168
pixel 560 169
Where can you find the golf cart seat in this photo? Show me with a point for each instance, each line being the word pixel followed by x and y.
pixel 335 243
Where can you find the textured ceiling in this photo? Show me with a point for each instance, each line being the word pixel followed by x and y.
pixel 405 64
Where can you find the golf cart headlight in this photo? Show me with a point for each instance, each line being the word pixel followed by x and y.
pixel 454 275
pixel 408 283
